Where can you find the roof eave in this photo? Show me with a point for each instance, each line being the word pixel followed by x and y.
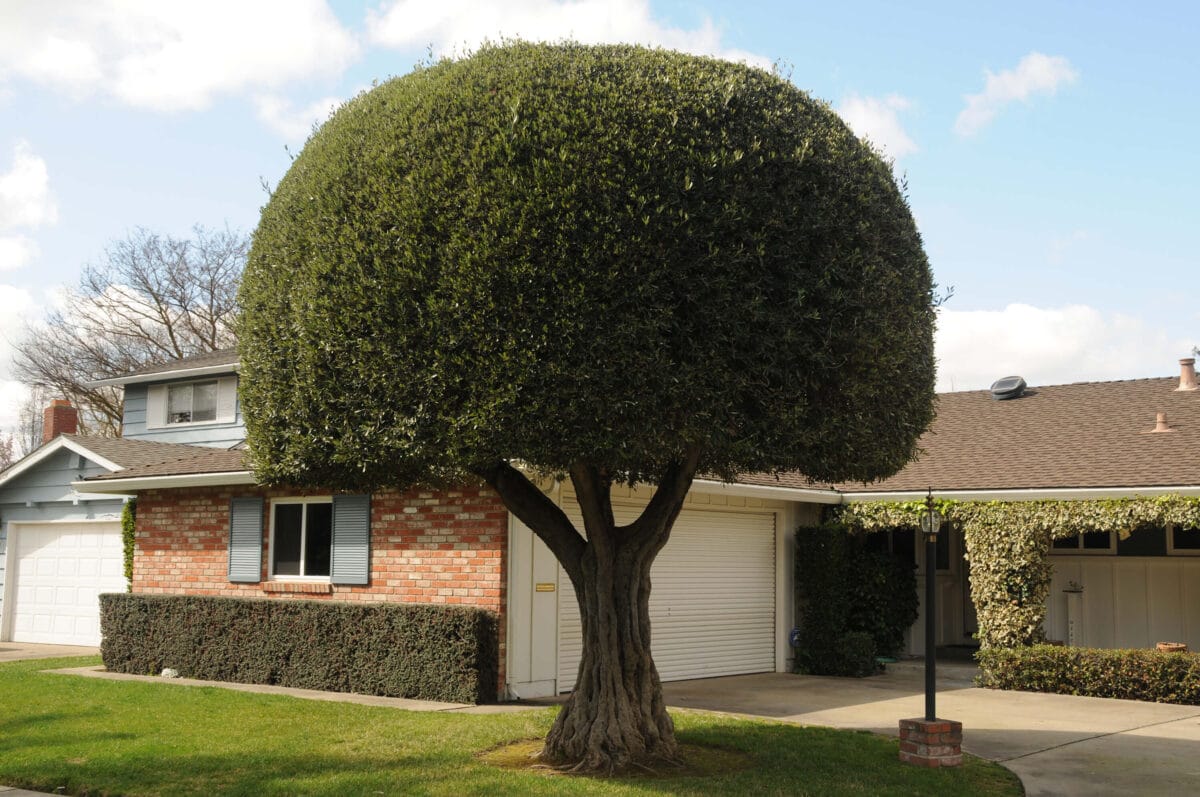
pixel 1027 494
pixel 134 484
pixel 48 449
pixel 811 495
pixel 162 376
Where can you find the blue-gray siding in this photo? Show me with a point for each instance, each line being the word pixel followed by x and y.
pixel 218 435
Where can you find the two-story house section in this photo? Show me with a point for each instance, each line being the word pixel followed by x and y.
pixel 60 547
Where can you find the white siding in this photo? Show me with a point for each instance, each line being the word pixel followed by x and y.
pixel 1127 601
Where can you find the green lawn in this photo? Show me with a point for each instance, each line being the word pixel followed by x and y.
pixel 99 737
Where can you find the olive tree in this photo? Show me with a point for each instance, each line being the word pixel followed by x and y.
pixel 608 264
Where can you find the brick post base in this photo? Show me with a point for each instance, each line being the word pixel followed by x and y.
pixel 931 743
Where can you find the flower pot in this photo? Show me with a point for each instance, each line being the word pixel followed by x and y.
pixel 1171 647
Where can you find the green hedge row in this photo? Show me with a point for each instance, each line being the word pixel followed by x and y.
pixel 398 650
pixel 1128 674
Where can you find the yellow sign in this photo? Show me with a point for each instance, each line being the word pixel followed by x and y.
pixel 544 586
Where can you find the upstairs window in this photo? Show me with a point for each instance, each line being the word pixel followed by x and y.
pixel 185 403
pixel 192 403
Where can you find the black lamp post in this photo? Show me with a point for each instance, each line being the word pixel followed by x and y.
pixel 931 521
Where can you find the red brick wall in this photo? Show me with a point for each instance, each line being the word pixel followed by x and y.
pixel 426 547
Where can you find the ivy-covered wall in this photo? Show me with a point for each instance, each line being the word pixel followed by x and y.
pixel 1007 545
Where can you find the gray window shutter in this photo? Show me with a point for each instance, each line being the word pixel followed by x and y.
pixel 350 561
pixel 245 539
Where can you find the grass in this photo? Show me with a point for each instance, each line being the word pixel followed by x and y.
pixel 97 737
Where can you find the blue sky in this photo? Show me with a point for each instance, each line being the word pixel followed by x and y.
pixel 1048 147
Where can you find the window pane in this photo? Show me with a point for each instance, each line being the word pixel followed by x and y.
pixel 1066 543
pixel 1185 539
pixel 318 537
pixel 204 401
pixel 904 545
pixel 1097 540
pixel 179 404
pixel 1144 542
pixel 286 553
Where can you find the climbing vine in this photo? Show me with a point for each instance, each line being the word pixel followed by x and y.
pixel 128 515
pixel 1007 545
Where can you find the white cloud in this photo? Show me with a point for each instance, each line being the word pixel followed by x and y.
pixel 294 124
pixel 1046 346
pixel 1034 74
pixel 16 251
pixel 453 25
pixel 170 55
pixel 26 203
pixel 878 121
pixel 25 198
pixel 19 306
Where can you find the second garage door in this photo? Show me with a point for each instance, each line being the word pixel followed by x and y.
pixel 58 572
pixel 712 603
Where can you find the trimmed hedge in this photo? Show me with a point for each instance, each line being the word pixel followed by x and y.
pixel 1126 674
pixel 447 653
pixel 852 603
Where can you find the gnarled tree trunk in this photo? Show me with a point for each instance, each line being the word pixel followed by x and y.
pixel 615 717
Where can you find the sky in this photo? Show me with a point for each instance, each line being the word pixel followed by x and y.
pixel 1048 149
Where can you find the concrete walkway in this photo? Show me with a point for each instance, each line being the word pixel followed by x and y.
pixel 18 651
pixel 1056 744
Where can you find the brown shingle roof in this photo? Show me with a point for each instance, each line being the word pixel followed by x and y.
pixel 192 460
pixel 208 359
pixel 131 453
pixel 1093 434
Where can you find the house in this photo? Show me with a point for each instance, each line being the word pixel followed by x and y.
pixel 722 601
pixel 1092 440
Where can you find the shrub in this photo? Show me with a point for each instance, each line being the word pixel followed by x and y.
pixel 1126 674
pixel 444 653
pixel 844 590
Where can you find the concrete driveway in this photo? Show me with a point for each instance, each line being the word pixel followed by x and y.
pixel 1057 744
pixel 15 651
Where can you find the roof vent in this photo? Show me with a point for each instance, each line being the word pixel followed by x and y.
pixel 1160 423
pixel 1010 387
pixel 1187 374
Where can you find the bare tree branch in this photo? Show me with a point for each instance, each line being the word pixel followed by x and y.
pixel 152 298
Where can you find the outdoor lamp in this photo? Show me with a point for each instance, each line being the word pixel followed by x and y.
pixel 931 522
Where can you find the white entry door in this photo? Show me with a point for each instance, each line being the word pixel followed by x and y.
pixel 57 572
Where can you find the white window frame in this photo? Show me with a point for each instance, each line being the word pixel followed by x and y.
pixel 156 404
pixel 1079 550
pixel 1172 550
pixel 308 499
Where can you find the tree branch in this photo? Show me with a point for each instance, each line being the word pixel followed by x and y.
pixel 535 509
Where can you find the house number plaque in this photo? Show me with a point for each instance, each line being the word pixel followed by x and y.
pixel 544 586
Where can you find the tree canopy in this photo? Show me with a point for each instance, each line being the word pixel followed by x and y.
pixel 556 254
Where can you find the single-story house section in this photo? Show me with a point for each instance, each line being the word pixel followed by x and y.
pixel 1092 440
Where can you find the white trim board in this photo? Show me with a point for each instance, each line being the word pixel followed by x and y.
pixel 49 449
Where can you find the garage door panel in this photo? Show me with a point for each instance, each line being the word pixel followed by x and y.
pixel 712 599
pixel 59 572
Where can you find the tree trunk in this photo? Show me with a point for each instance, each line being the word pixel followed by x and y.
pixel 616 716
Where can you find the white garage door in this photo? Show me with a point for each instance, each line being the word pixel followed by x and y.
pixel 712 602
pixel 58 572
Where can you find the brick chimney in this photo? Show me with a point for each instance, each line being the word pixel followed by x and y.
pixel 59 418
pixel 1187 374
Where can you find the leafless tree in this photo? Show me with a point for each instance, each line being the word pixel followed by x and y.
pixel 152 298
pixel 8 451
pixel 29 421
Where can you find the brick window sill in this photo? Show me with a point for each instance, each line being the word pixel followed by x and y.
pixel 300 587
